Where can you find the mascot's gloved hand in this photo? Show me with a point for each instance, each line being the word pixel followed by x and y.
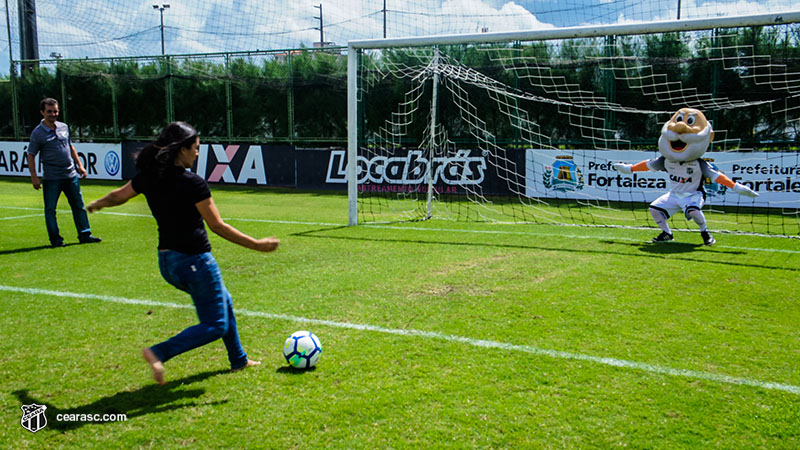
pixel 623 168
pixel 741 189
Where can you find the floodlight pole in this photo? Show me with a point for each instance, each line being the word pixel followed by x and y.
pixel 28 35
pixel 8 31
pixel 161 9
pixel 13 79
pixel 321 26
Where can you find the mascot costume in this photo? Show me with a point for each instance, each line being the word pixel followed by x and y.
pixel 684 139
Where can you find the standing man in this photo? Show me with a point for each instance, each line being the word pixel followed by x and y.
pixel 62 166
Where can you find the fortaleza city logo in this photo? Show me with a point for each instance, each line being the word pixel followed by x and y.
pixel 412 169
pixel 563 176
pixel 33 418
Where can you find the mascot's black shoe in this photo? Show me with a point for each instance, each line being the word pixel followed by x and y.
pixel 663 237
pixel 708 239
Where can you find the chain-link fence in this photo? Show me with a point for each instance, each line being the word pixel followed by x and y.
pixel 290 96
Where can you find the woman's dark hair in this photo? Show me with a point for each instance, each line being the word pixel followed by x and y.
pixel 159 156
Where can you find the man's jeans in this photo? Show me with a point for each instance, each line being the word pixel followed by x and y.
pixel 200 277
pixel 52 189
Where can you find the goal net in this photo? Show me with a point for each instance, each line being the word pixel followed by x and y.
pixel 525 127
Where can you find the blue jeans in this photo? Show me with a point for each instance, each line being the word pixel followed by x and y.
pixel 200 277
pixel 71 187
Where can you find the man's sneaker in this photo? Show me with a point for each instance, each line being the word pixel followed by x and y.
pixel 89 239
pixel 663 237
pixel 708 239
pixel 58 244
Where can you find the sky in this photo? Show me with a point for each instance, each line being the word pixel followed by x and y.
pixel 117 28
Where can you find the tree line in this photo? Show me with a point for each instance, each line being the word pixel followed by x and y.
pixel 300 96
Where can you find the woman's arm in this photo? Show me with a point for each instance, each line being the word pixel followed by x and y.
pixel 113 198
pixel 210 214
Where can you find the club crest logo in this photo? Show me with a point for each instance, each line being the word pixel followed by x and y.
pixel 33 418
pixel 713 189
pixel 563 176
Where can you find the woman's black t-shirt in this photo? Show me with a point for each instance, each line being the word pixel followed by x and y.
pixel 172 201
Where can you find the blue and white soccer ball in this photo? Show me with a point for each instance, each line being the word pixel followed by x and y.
pixel 302 349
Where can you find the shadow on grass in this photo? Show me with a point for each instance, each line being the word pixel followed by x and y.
pixel 672 248
pixel 150 399
pixel 287 370
pixel 647 249
pixel 31 249
pixel 666 248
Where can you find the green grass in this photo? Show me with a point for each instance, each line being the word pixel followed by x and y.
pixel 733 218
pixel 467 322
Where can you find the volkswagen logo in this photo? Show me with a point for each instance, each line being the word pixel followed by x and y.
pixel 111 163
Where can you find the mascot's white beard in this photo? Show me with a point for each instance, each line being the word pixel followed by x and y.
pixel 696 143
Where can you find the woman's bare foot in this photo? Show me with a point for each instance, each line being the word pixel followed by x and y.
pixel 155 365
pixel 250 363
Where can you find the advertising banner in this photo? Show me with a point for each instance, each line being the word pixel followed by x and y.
pixel 260 165
pixel 101 161
pixel 585 174
pixel 574 174
pixel 246 164
pixel 314 168
pixel 407 170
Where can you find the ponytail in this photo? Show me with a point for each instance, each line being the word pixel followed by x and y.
pixel 159 156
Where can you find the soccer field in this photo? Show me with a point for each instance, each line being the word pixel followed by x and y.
pixel 435 334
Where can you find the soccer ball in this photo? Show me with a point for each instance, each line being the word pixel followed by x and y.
pixel 302 349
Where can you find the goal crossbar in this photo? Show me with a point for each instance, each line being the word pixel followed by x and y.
pixel 667 26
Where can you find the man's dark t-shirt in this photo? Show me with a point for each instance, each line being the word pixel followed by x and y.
pixel 172 201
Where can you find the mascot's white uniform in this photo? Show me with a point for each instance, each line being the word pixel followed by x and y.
pixel 684 139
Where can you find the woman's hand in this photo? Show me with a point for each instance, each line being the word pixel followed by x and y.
pixel 267 244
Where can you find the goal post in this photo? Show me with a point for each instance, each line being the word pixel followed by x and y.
pixel 523 127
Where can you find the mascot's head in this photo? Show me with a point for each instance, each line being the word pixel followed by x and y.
pixel 685 137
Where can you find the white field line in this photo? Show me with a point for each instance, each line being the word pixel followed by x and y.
pixel 114 213
pixel 21 217
pixel 445 230
pixel 661 370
